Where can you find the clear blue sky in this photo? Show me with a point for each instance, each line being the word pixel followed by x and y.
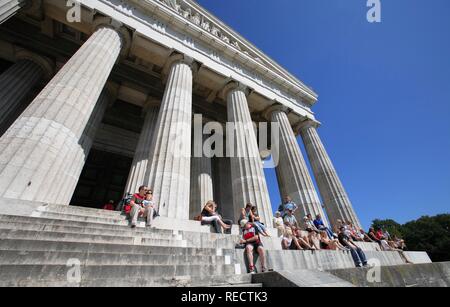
pixel 384 92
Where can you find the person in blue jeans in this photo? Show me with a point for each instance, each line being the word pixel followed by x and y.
pixel 318 222
pixel 255 219
pixel 357 254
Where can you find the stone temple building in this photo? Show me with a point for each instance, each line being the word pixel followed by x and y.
pixel 94 94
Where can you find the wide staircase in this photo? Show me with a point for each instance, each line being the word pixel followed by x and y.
pixel 74 246
pixel 80 247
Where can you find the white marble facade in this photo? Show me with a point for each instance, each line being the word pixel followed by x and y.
pixel 191 55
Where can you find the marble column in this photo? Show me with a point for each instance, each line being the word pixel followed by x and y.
pixel 78 158
pixel 33 150
pixel 17 83
pixel 249 182
pixel 292 172
pixel 201 184
pixel 136 178
pixel 334 196
pixel 9 8
pixel 170 167
pixel 223 188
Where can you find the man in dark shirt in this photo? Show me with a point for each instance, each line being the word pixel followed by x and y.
pixel 357 254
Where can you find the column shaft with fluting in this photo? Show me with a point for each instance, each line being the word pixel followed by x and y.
pixel 249 182
pixel 9 8
pixel 334 196
pixel 169 172
pixel 78 158
pixel 34 149
pixel 292 172
pixel 201 184
pixel 136 178
pixel 16 84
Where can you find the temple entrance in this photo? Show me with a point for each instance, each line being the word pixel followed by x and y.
pixel 103 178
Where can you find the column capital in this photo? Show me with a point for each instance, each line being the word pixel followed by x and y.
pixel 108 22
pixel 305 124
pixel 47 65
pixel 234 85
pixel 176 58
pixel 267 114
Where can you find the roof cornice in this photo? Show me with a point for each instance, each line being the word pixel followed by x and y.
pixel 189 12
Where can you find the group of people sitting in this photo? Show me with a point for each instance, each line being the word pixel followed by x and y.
pixel 137 205
pixel 311 234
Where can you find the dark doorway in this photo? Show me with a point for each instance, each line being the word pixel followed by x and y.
pixel 103 178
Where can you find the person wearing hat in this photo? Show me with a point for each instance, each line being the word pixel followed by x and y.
pixel 278 222
pixel 251 241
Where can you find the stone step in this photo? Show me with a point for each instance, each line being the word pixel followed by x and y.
pixel 239 286
pixel 178 281
pixel 80 211
pixel 44 224
pixel 86 238
pixel 61 258
pixel 81 218
pixel 18 275
pixel 123 232
pixel 73 223
pixel 67 246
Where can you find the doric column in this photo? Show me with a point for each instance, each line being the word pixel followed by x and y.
pixel 136 178
pixel 224 188
pixel 292 173
pixel 249 182
pixel 33 150
pixel 78 158
pixel 337 203
pixel 17 83
pixel 169 171
pixel 9 8
pixel 201 184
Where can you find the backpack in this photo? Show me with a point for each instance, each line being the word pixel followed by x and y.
pixel 124 204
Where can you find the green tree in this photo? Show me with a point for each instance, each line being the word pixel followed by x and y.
pixel 430 234
pixel 394 228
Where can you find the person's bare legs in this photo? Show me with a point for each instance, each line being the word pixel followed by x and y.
pixel 305 243
pixel 299 247
pixel 249 250
pixel 262 256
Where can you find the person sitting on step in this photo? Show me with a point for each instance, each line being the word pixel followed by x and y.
pixel 138 208
pixel 318 222
pixel 109 206
pixel 287 205
pixel 290 220
pixel 354 233
pixel 210 216
pixel 278 222
pixel 358 255
pixel 330 244
pixel 252 242
pixel 304 240
pixel 255 219
pixel 313 232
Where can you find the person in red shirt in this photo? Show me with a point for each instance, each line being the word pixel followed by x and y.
pixel 252 242
pixel 137 205
pixel 109 206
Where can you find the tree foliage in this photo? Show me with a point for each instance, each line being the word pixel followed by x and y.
pixel 430 234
